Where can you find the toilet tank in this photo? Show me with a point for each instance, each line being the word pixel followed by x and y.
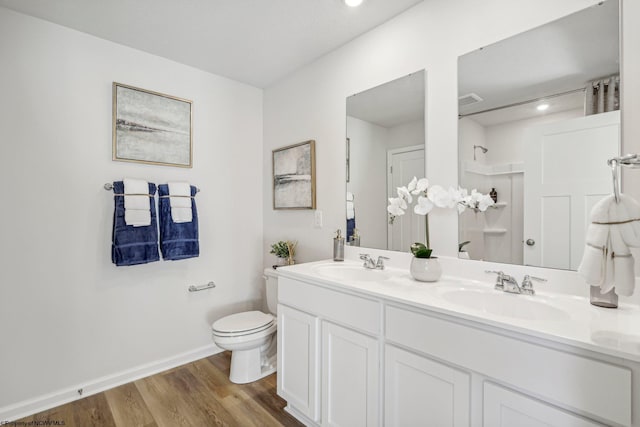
pixel 271 283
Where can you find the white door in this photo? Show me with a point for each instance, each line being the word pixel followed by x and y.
pixel 350 375
pixel 506 408
pixel 422 392
pixel 298 360
pixel 565 174
pixel 402 165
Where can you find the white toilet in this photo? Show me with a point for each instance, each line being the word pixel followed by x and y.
pixel 251 337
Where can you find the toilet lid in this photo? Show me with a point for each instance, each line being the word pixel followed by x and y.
pixel 248 321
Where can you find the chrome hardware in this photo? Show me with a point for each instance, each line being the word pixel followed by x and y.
pixel 527 284
pixel 380 263
pixel 368 262
pixel 530 242
pixel 499 280
pixel 505 282
pixel 194 288
pixel 371 264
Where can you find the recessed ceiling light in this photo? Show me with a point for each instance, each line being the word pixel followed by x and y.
pixel 353 3
pixel 542 107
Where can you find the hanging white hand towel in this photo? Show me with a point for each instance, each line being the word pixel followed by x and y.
pixel 607 261
pixel 181 204
pixel 137 211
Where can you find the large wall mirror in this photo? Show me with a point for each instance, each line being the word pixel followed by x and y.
pixel 538 119
pixel 385 149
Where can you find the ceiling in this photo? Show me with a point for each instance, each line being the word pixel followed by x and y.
pixel 557 57
pixel 257 42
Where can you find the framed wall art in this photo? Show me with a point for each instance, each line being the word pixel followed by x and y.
pixel 151 127
pixel 294 176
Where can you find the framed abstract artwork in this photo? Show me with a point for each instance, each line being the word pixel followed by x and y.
pixel 151 127
pixel 294 176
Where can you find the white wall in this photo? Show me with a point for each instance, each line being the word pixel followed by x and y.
pixel 506 140
pixel 368 181
pixel 67 315
pixel 311 102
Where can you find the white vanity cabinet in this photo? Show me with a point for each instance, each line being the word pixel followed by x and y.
pixel 419 391
pixel 298 352
pixel 350 373
pixel 506 408
pixel 350 357
pixel 328 355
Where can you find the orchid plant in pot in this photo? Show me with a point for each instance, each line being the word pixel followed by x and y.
pixel 424 267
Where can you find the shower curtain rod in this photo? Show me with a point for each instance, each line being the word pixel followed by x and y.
pixel 516 104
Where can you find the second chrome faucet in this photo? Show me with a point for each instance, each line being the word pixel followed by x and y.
pixel 371 264
pixel 508 283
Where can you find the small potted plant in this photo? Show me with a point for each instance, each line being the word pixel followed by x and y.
pixel 424 267
pixel 284 250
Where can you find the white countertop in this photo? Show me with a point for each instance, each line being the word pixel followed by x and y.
pixel 558 317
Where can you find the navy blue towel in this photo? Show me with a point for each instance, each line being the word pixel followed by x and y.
pixel 177 240
pixel 133 245
pixel 351 225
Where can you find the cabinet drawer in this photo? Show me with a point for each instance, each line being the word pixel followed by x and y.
pixel 350 310
pixel 565 379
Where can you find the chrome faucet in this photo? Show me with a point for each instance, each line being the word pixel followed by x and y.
pixel 371 264
pixel 507 283
pixel 527 284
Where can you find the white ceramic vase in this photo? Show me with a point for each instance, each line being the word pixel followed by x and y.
pixel 425 269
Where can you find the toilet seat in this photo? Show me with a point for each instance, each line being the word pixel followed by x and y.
pixel 240 324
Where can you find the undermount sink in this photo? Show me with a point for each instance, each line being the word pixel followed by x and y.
pixel 350 273
pixel 505 304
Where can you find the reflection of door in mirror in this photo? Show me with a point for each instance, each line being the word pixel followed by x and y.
pixel 543 107
pixel 402 165
pixel 385 130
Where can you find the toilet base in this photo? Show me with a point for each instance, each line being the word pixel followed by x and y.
pixel 253 364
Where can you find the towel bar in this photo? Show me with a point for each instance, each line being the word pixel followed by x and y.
pixel 109 186
pixel 194 288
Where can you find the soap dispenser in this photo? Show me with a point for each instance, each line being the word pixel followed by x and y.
pixel 338 246
pixel 354 240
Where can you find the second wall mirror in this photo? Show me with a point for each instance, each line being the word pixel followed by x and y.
pixel 538 119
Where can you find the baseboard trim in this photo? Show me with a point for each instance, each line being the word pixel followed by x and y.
pixel 66 395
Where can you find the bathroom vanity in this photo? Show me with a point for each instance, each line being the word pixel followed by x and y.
pixel 363 347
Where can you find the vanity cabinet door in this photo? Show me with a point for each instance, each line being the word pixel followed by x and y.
pixel 422 392
pixel 350 372
pixel 298 360
pixel 506 408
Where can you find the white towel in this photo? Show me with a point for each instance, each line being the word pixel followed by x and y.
pixel 607 261
pixel 136 208
pixel 180 206
pixel 349 196
pixel 351 211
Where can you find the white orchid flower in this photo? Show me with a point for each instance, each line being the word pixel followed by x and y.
pixel 484 202
pixel 420 187
pixel 396 206
pixel 442 198
pixel 403 193
pixel 412 185
pixel 424 206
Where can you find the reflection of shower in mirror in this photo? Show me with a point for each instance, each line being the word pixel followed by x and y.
pixel 484 150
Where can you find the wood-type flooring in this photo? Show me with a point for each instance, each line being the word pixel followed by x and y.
pixel 196 394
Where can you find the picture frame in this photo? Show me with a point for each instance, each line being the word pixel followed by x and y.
pixel 151 127
pixel 294 176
